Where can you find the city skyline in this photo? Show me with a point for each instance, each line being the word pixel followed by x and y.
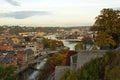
pixel 52 12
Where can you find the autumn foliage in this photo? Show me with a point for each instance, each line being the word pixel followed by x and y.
pixel 100 68
pixel 59 59
pixel 107 26
pixel 52 44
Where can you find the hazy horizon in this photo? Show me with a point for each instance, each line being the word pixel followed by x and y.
pixel 56 13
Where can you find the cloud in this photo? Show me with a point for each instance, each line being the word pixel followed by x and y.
pixel 23 14
pixel 13 2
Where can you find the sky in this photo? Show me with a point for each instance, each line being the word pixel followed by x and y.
pixel 62 13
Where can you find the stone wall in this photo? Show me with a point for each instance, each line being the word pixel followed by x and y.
pixel 60 71
pixel 85 56
pixel 82 58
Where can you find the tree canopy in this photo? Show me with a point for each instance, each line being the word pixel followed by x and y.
pixel 79 46
pixel 108 22
pixel 52 44
pixel 7 72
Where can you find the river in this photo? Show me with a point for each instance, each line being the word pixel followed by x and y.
pixel 68 44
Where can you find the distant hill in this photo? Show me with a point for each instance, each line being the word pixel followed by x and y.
pixel 18 29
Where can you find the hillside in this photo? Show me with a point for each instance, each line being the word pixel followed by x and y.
pixel 100 68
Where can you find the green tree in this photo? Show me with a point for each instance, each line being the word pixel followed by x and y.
pixel 53 44
pixel 1 29
pixel 109 23
pixel 79 46
pixel 105 40
pixel 7 72
pixel 94 47
pixel 46 43
pixel 114 73
pixel 87 41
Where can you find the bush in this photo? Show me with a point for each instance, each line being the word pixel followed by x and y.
pixel 100 68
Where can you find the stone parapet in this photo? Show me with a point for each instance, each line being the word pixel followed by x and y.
pixel 60 71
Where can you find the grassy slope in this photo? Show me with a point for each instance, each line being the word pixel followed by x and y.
pixel 100 68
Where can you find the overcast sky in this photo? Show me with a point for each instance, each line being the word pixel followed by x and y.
pixel 53 12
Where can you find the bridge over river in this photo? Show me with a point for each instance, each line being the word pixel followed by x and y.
pixel 72 40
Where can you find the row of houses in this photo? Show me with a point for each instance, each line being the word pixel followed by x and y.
pixel 16 58
pixel 19 50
